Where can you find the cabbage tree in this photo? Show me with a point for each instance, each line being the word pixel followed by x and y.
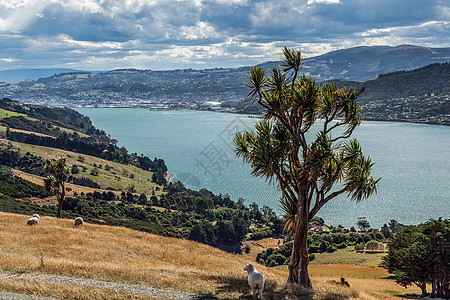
pixel 55 182
pixel 304 145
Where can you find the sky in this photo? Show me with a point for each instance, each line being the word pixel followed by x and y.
pixel 179 34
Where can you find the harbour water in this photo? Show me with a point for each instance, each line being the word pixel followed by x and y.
pixel 413 161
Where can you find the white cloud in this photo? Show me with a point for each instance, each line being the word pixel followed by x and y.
pixel 323 2
pixel 201 30
pixel 68 41
pixel 408 31
pixel 8 60
pixel 17 15
pixel 85 6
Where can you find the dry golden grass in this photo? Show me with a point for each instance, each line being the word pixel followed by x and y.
pixel 117 254
pixel 39 288
pixel 261 245
pixel 31 132
pixel 344 256
pixel 367 280
pixel 126 256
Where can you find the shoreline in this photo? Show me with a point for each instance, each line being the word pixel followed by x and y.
pixel 250 115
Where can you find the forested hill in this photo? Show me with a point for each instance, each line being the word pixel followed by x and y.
pixel 66 129
pixel 421 95
pixel 428 80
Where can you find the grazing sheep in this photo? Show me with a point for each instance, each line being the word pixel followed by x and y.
pixel 34 220
pixel 255 280
pixel 78 222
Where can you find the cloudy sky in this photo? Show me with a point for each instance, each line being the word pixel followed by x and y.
pixel 170 34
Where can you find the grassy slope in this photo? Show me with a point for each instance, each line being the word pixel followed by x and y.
pixel 7 113
pixel 127 256
pixel 141 180
pixel 349 256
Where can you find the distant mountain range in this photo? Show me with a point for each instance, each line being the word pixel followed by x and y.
pixel 365 63
pixel 359 63
pixel 223 88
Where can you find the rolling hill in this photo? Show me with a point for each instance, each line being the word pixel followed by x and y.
pixel 108 185
pixel 421 95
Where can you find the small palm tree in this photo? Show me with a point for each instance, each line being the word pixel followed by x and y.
pixel 54 183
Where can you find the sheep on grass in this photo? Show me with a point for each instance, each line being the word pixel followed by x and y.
pixel 34 220
pixel 78 222
pixel 255 280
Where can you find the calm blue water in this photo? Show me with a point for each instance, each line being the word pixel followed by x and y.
pixel 413 161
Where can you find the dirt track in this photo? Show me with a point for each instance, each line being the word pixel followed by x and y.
pixel 135 289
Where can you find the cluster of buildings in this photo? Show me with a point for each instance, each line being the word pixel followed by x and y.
pixel 427 109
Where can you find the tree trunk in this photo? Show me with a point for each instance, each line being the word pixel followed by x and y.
pixel 61 199
pixel 293 266
pixel 433 288
pixel 423 288
pixel 60 203
pixel 294 262
pixel 298 265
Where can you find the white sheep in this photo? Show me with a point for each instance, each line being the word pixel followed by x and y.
pixel 34 220
pixel 255 280
pixel 78 222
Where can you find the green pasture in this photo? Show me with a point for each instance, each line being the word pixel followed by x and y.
pixel 7 113
pixel 348 256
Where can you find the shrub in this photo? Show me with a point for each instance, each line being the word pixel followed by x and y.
pixel 331 249
pixel 261 233
pixel 359 246
pixel 372 245
pixel 342 245
pixel 313 249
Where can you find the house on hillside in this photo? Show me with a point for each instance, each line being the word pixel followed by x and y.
pixel 316 228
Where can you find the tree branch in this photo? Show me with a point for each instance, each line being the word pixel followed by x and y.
pixel 323 201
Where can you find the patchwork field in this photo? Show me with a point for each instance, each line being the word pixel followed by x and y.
pixel 119 176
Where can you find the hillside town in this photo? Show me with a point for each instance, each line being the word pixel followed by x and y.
pixel 409 109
